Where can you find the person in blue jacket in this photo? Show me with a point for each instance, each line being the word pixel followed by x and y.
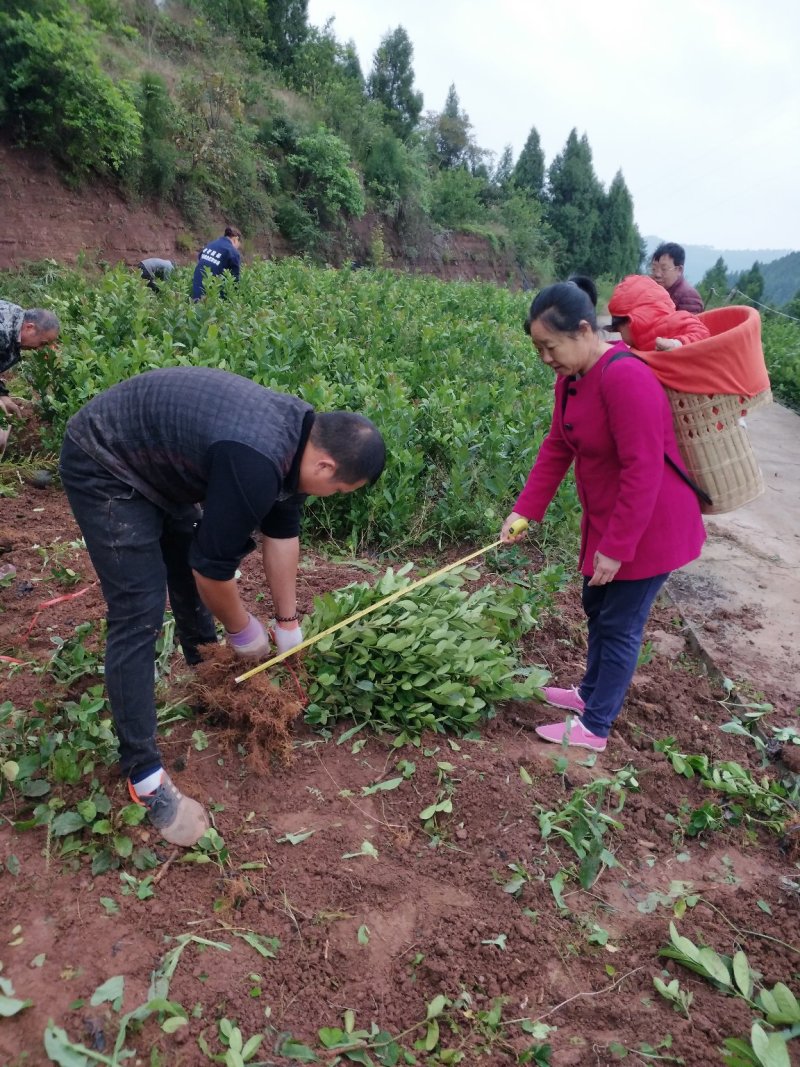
pixel 220 255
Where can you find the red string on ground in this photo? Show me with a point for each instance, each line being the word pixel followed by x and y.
pixel 50 603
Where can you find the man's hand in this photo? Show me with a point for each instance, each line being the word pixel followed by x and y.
pixel 252 642
pixel 605 569
pixel 10 407
pixel 287 637
pixel 664 344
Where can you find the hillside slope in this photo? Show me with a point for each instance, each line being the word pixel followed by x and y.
pixel 44 218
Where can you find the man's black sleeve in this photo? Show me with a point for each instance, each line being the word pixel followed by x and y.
pixel 243 488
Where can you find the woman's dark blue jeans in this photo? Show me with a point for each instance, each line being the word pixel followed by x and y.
pixel 617 613
pixel 139 551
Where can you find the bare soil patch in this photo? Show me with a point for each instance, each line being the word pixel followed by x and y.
pixel 437 917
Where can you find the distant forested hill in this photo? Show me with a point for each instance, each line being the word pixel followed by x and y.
pixel 782 279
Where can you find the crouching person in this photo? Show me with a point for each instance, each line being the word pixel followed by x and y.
pixel 136 463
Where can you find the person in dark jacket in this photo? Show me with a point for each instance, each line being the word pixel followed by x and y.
pixel 136 463
pixel 220 255
pixel 666 267
pixel 20 329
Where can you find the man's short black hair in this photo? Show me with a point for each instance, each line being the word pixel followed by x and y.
pixel 353 442
pixel 675 252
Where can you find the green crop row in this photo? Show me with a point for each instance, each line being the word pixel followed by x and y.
pixel 443 368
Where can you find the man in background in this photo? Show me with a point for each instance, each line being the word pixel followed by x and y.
pixel 666 267
pixel 220 255
pixel 20 329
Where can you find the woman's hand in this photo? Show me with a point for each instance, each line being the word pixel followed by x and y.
pixel 605 569
pixel 505 533
pixel 664 344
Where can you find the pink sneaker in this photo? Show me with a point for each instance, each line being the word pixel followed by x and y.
pixel 573 733
pixel 569 699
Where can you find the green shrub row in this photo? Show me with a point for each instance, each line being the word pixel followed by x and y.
pixel 443 368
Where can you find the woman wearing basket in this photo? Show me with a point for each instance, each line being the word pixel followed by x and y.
pixel 640 519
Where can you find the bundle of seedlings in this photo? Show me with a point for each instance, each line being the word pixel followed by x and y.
pixel 439 659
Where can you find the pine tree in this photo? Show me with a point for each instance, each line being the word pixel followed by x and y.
pixel 574 201
pixel 391 83
pixel 619 239
pixel 750 284
pixel 288 29
pixel 715 286
pixel 529 171
pixel 449 134
pixel 502 176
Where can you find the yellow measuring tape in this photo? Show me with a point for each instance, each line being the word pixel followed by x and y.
pixel 515 530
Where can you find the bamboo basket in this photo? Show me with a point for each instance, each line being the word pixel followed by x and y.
pixel 715 446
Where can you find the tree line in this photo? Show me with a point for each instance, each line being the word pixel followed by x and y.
pixel 272 121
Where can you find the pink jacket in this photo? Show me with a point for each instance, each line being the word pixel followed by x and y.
pixel 616 427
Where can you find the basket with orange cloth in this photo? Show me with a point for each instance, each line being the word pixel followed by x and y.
pixel 714 377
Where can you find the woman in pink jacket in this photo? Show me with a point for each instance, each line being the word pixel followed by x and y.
pixel 640 521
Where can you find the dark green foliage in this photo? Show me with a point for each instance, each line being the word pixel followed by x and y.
pixel 288 29
pixel 574 204
pixel 158 165
pixel 436 659
pixel 619 239
pixel 529 170
pixel 326 185
pixel 449 135
pixel 750 284
pixel 388 170
pixel 781 338
pixel 54 93
pixel 456 198
pixel 715 286
pixel 391 83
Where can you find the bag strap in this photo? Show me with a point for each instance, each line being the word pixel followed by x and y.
pixel 701 493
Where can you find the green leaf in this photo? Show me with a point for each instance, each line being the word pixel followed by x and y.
pixel 764 906
pixel 363 935
pixel 378 787
pixel 265 946
pixel 112 991
pixel 714 966
pixel 432 1036
pixel 526 778
pixel 741 973
pixel 175 1022
pixel 12 1006
pixel 295 1050
pixel 771 1050
pixel 295 838
pixel 60 1049
pixel 436 1006
pixel 68 822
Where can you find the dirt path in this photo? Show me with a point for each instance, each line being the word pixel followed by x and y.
pixel 742 597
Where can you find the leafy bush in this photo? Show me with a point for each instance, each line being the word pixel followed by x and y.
pixel 455 198
pixel 437 659
pixel 55 94
pixel 326 185
pixel 781 339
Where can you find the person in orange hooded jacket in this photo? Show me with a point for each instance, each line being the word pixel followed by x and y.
pixel 643 314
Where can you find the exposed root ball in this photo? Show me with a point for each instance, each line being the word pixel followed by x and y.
pixel 257 712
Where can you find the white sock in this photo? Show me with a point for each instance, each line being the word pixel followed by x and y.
pixel 148 784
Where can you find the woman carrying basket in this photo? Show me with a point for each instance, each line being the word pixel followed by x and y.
pixel 640 519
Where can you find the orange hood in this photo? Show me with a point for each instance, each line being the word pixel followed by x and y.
pixel 651 313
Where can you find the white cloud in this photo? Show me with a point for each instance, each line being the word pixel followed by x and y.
pixel 697 101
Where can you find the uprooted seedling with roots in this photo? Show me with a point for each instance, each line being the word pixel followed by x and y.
pixel 258 713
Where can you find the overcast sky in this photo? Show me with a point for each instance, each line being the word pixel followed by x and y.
pixel 697 101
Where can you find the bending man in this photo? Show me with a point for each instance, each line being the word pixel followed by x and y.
pixel 136 462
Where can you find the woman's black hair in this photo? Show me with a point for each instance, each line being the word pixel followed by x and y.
pixel 565 305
